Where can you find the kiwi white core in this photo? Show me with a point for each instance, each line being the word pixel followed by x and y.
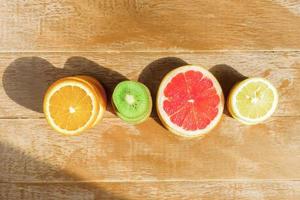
pixel 129 99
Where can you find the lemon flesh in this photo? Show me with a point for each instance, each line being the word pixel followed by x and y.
pixel 253 100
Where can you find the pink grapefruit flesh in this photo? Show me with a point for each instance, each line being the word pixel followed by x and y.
pixel 190 101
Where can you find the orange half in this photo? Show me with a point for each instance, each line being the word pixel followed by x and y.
pixel 73 104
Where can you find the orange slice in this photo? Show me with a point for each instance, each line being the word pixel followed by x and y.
pixel 73 104
pixel 101 94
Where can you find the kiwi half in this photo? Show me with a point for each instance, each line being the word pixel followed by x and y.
pixel 132 101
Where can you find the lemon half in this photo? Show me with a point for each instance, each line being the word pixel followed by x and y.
pixel 253 100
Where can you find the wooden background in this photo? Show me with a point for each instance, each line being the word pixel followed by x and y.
pixel 114 40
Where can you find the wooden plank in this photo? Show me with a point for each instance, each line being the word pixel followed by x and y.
pixel 26 76
pixel 213 190
pixel 116 151
pixel 112 151
pixel 153 25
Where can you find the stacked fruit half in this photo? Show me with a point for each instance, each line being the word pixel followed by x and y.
pixel 189 102
pixel 74 104
pixel 252 101
pixel 132 101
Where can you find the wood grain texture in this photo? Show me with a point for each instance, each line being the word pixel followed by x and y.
pixel 114 151
pixel 114 40
pixel 26 76
pixel 152 25
pixel 214 190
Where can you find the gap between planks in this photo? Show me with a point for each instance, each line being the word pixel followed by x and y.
pixel 158 181
pixel 159 51
pixel 116 118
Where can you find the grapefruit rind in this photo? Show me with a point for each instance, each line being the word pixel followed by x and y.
pixel 232 101
pixel 165 118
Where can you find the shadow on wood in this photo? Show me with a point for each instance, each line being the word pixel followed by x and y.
pixel 153 74
pixel 29 178
pixel 27 79
pixel 108 78
pixel 227 77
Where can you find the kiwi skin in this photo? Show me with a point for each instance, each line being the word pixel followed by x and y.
pixel 142 118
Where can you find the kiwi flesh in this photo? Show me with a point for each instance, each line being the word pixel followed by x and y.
pixel 132 101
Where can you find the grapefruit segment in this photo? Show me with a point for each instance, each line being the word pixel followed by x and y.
pixel 179 117
pixel 190 122
pixel 172 107
pixel 175 90
pixel 190 101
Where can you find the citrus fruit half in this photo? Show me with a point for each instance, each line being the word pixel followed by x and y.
pixel 252 101
pixel 101 94
pixel 73 104
pixel 190 101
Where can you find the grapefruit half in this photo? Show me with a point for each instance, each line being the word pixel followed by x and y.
pixel 190 101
